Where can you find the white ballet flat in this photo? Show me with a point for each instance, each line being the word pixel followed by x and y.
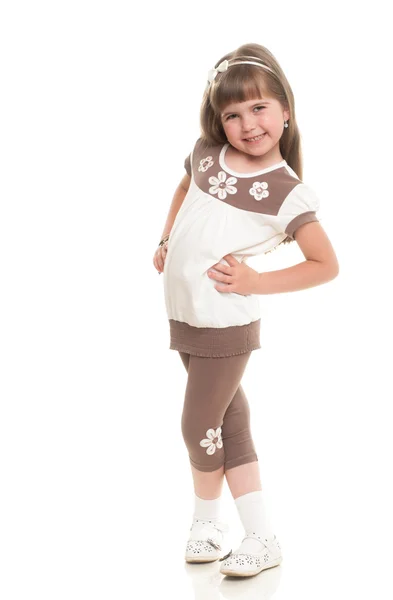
pixel 205 541
pixel 239 564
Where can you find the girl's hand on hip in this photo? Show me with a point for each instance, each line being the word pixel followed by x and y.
pixel 160 256
pixel 237 277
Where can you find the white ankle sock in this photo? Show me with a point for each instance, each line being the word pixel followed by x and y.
pixel 251 509
pixel 207 510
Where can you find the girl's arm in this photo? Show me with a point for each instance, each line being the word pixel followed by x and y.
pixel 177 201
pixel 320 266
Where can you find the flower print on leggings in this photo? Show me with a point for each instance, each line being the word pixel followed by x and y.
pixel 212 441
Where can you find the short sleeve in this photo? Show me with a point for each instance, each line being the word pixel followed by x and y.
pixel 187 164
pixel 189 160
pixel 298 208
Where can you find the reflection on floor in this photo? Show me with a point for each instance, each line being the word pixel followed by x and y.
pixel 209 584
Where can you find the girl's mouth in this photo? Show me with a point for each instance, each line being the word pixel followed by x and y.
pixel 256 139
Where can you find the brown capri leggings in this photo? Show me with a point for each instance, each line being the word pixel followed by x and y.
pixel 216 416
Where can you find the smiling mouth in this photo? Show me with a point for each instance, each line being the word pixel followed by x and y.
pixel 255 139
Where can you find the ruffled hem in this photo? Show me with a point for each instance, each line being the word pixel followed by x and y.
pixel 207 354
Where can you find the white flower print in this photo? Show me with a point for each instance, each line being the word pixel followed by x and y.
pixel 221 186
pixel 259 190
pixel 212 441
pixel 206 163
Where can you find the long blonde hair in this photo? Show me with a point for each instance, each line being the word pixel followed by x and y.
pixel 246 82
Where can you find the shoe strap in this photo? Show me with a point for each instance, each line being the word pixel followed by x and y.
pixel 223 527
pixel 264 541
pixel 209 532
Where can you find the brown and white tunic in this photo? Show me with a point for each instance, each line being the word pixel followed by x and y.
pixel 225 212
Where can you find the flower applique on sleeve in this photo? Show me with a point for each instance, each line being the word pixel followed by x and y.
pixel 299 207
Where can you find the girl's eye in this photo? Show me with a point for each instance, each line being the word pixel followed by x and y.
pixel 229 116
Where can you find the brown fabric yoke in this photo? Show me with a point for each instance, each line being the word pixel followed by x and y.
pixel 280 182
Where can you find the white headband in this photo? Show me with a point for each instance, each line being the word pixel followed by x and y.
pixel 225 64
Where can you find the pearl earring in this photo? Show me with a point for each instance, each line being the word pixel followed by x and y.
pixel 285 124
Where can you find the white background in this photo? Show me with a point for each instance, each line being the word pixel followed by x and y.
pixel 99 107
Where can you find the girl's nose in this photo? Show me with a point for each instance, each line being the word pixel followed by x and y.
pixel 248 125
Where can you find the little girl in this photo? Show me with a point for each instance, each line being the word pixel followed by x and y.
pixel 242 195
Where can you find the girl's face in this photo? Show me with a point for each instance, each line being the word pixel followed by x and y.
pixel 261 119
